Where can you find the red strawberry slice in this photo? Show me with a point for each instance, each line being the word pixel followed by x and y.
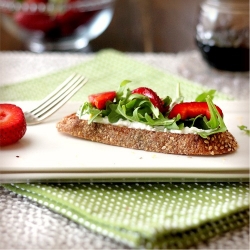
pixel 71 19
pixel 99 100
pixel 189 110
pixel 35 21
pixel 36 1
pixel 12 124
pixel 153 97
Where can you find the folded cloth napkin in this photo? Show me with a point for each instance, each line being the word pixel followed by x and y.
pixel 147 215
pixel 142 215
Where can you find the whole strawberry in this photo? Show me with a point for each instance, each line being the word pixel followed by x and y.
pixel 12 124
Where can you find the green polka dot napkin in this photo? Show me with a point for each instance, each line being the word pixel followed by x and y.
pixel 142 215
pixel 149 215
pixel 105 72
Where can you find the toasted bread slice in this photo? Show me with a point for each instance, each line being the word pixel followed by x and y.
pixel 153 141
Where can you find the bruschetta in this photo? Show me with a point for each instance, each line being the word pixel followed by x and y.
pixel 140 119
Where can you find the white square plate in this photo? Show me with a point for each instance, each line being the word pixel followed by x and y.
pixel 44 154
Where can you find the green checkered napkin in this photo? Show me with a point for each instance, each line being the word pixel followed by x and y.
pixel 143 215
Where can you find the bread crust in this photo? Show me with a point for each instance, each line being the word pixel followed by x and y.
pixel 153 141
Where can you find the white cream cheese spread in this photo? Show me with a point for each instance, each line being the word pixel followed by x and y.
pixel 139 125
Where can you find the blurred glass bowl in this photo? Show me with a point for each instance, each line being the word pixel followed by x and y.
pixel 56 25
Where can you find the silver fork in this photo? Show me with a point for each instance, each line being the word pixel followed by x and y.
pixel 55 100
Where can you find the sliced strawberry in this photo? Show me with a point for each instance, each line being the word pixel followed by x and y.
pixel 68 21
pixel 99 100
pixel 36 1
pixel 189 110
pixel 71 19
pixel 12 124
pixel 153 97
pixel 35 21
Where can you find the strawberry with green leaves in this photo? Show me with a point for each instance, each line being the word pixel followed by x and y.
pixel 12 124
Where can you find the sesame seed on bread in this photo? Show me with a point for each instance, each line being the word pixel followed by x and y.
pixel 153 141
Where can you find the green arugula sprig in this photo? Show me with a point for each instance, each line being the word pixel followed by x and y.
pixel 244 129
pixel 138 108
pixel 215 124
pixel 202 97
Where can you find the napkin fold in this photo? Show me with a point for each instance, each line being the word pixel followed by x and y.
pixel 147 215
pixel 142 215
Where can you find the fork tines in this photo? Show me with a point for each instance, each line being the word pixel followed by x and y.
pixel 59 96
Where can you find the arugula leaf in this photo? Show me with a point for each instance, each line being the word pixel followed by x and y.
pixel 197 120
pixel 244 129
pixel 94 114
pixel 202 97
pixel 113 116
pixel 167 101
pixel 179 97
pixel 214 120
pixel 145 112
pixel 122 90
pixel 216 123
pixel 178 91
pixel 162 121
pixel 87 108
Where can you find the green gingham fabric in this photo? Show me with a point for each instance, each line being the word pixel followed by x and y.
pixel 142 215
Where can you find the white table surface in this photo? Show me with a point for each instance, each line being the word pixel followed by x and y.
pixel 52 231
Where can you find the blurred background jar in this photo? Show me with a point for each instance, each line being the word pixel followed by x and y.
pixel 56 25
pixel 222 34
